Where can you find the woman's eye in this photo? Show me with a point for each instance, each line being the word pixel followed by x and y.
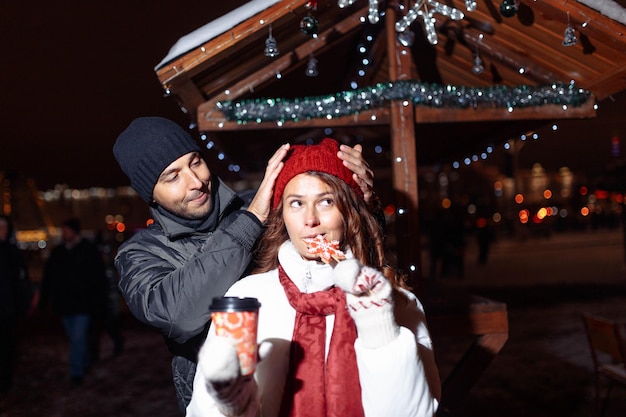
pixel 327 202
pixel 295 203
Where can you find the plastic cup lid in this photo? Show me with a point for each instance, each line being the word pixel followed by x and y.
pixel 234 304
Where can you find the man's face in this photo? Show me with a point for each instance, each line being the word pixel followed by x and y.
pixel 184 187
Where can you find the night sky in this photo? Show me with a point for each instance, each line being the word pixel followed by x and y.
pixel 75 74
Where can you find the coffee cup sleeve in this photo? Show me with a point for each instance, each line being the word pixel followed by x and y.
pixel 370 302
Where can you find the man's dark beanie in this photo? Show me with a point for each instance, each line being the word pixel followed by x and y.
pixel 147 147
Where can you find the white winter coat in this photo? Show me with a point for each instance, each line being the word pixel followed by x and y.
pixel 399 379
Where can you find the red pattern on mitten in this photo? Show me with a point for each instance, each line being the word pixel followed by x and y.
pixel 370 302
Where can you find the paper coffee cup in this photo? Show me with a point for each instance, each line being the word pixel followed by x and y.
pixel 237 318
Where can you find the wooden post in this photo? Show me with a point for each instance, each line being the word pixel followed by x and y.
pixel 404 158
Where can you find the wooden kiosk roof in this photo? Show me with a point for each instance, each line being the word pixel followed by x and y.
pixel 531 40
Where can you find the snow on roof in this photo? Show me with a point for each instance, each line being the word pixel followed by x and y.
pixel 609 8
pixel 214 28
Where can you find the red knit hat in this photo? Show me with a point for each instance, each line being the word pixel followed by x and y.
pixel 321 157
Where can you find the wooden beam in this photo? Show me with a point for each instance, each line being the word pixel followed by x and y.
pixel 192 61
pixel 214 120
pixel 404 158
pixel 485 114
pixel 616 80
pixel 187 95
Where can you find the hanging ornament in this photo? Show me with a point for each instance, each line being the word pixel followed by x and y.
pixel 311 67
pixel 569 37
pixel 508 8
pixel 478 67
pixel 309 25
pixel 271 49
pixel 406 38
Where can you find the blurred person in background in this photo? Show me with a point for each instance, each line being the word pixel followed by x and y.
pixel 108 321
pixel 15 298
pixel 74 283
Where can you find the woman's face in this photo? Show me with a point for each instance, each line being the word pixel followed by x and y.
pixel 310 209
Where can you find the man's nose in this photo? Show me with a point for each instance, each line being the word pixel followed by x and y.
pixel 193 180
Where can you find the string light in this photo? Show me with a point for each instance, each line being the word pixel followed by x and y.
pixel 478 67
pixel 507 146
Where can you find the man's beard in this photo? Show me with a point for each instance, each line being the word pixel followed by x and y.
pixel 198 213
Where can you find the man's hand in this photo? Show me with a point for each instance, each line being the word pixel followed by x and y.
pixel 353 160
pixel 262 201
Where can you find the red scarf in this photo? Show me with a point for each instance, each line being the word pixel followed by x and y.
pixel 314 387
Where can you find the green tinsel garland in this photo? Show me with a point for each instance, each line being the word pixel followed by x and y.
pixel 423 94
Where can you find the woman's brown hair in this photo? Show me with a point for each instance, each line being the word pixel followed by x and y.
pixel 362 232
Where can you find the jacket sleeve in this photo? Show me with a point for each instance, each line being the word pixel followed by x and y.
pixel 173 294
pixel 401 378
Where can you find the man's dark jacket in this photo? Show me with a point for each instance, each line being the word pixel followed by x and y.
pixel 169 273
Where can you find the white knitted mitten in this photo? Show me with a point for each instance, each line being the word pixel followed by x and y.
pixel 219 365
pixel 370 302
